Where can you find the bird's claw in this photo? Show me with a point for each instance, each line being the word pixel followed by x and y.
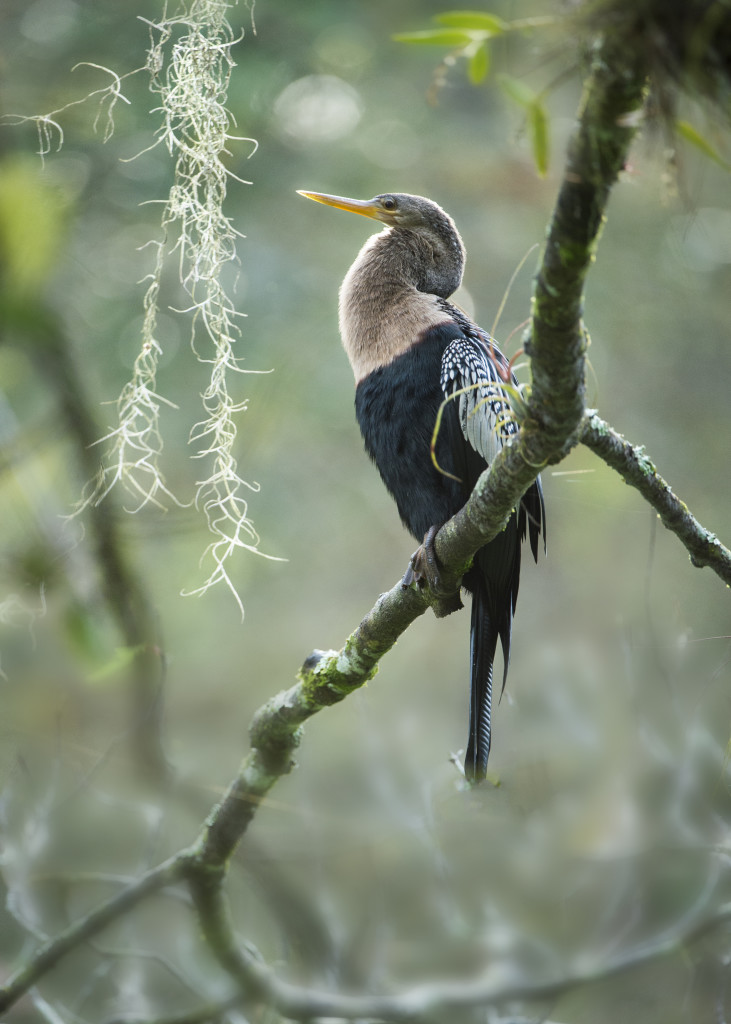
pixel 424 570
pixel 423 565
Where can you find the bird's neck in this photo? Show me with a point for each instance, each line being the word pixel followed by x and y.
pixel 383 310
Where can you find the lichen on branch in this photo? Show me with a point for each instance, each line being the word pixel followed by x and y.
pixel 557 340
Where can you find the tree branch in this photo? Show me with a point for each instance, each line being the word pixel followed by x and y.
pixel 201 1015
pixel 556 340
pixel 51 952
pixel 597 153
pixel 122 586
pixel 492 988
pixel 638 470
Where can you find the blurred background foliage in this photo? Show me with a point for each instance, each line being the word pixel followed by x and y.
pixel 370 865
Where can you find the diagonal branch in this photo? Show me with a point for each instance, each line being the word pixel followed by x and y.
pixel 637 469
pixel 50 953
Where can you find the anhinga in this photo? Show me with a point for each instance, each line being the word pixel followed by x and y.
pixel 410 349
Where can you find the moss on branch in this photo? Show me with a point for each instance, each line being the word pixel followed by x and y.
pixel 557 339
pixel 326 678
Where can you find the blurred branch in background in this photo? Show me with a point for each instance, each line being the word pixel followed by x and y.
pixel 32 216
pixel 204 874
pixel 120 580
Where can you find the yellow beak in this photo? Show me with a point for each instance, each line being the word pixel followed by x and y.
pixel 365 207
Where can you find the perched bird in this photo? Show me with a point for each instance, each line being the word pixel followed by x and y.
pixel 410 349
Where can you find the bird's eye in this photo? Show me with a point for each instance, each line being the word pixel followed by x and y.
pixel 389 203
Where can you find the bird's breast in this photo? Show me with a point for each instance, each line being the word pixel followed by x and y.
pixel 397 406
pixel 379 325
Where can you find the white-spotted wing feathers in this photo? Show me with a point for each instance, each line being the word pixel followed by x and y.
pixel 469 372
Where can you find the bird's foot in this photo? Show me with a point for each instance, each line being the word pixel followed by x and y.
pixel 423 565
pixel 424 570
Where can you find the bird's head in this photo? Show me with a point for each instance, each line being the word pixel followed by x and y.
pixel 396 209
pixel 440 253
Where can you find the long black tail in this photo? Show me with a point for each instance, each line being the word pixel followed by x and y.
pixel 494 580
pixel 483 642
pixel 494 585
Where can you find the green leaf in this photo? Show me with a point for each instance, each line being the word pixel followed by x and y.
pixel 84 632
pixel 474 21
pixel 538 125
pixel 435 37
pixel 518 91
pixel 122 659
pixel 691 134
pixel 536 115
pixel 33 220
pixel 479 64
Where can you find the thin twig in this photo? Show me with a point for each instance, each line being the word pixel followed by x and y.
pixel 51 952
pixel 636 469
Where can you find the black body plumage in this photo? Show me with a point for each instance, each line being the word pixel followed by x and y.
pixel 410 350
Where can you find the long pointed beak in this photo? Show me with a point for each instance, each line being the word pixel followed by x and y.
pixel 365 207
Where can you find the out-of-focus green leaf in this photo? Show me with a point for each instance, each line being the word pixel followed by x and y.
pixel 123 656
pixel 85 633
pixel 476 21
pixel 691 134
pixel 435 37
pixel 33 216
pixel 536 116
pixel 538 125
pixel 517 90
pixel 479 64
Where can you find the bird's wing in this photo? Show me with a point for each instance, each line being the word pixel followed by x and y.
pixel 470 374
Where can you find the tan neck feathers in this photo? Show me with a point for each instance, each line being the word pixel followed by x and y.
pixel 381 313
